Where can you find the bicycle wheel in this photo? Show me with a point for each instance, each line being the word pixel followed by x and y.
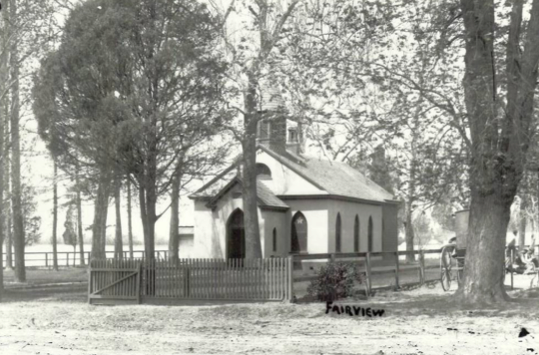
pixel 446 268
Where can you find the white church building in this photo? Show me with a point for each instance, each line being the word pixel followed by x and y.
pixel 305 205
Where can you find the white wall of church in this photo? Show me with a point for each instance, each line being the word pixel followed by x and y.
pixel 348 211
pixel 279 221
pixel 210 228
pixel 284 181
pixel 205 237
pixel 316 214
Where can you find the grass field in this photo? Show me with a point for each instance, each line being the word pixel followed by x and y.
pixel 45 276
pixel 57 320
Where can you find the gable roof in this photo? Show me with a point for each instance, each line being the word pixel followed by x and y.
pixel 266 198
pixel 336 178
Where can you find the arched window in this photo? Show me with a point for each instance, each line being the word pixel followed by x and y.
pixel 274 239
pixel 356 234
pixel 299 233
pixel 262 171
pixel 338 228
pixel 370 235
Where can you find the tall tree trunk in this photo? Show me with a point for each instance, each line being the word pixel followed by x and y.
pixel 99 227
pixel 7 210
pixel 174 231
pixel 79 220
pixel 412 173
pixel 147 185
pixel 55 217
pixel 522 224
pixel 489 219
pixel 4 107
pixel 1 247
pixel 147 179
pixel 118 244
pixel 410 198
pixel 489 212
pixel 129 219
pixel 3 87
pixel 9 236
pixel 148 201
pixel 2 208
pixel 147 212
pixel 498 144
pixel 253 247
pixel 409 231
pixel 16 197
pixel 148 224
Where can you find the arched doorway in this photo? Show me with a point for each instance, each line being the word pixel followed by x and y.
pixel 235 236
pixel 299 234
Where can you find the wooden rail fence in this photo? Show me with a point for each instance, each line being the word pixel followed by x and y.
pixel 138 280
pixel 273 279
pixel 69 258
pixel 372 269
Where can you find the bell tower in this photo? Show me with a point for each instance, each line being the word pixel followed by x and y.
pixel 272 125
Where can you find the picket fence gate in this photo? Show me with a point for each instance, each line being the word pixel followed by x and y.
pixel 113 281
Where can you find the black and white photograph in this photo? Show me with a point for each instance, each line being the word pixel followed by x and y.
pixel 326 177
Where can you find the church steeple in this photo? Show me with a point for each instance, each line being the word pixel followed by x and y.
pixel 272 126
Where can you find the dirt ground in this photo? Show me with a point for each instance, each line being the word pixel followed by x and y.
pixel 57 320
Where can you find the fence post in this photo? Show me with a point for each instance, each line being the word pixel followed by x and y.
pixel 368 272
pixel 396 270
pixel 89 283
pixel 291 278
pixel 139 276
pixel 47 259
pixel 421 267
pixel 67 259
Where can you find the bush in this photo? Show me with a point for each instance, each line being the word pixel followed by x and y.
pixel 335 281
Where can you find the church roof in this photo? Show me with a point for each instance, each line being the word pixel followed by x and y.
pixel 266 198
pixel 335 178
